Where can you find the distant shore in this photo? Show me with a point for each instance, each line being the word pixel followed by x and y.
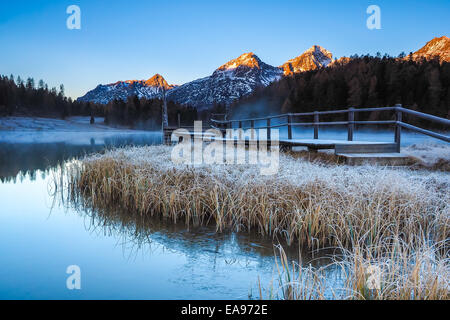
pixel 78 123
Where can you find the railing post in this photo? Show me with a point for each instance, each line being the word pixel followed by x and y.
pixel 252 128
pixel 289 126
pixel 351 124
pixel 398 127
pixel 316 126
pixel 240 130
pixel 268 129
pixel 228 125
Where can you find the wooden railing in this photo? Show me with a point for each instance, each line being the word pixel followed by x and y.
pixel 350 122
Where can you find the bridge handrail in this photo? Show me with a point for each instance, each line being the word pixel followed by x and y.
pixel 425 116
pixel 399 110
pixel 304 114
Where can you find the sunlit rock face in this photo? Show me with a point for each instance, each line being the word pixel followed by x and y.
pixel 234 79
pixel 151 88
pixel 239 77
pixel 314 58
pixel 436 48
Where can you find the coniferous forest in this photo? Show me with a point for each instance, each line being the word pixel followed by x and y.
pixel 146 113
pixel 25 98
pixel 364 81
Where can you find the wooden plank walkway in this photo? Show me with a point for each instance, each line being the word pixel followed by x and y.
pixel 352 151
pixel 328 144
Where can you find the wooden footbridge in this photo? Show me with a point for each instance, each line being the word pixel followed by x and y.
pixel 349 149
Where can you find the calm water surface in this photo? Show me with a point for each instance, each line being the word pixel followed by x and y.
pixel 40 238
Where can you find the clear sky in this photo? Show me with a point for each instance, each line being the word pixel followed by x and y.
pixel 186 40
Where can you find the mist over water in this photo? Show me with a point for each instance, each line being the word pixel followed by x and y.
pixel 120 255
pixel 340 133
pixel 23 152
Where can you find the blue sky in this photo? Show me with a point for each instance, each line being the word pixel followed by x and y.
pixel 186 40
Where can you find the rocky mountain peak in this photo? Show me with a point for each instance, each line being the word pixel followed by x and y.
pixel 314 58
pixel 151 88
pixel 249 60
pixel 437 47
pixel 158 81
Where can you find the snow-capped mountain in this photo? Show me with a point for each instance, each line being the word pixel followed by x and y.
pixel 438 47
pixel 234 79
pixel 314 58
pixel 151 88
pixel 238 77
pixel 231 81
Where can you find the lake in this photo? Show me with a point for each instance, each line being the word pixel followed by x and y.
pixel 40 236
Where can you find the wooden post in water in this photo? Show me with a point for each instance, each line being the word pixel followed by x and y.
pixel 316 126
pixel 240 130
pixel 268 128
pixel 252 128
pixel 289 126
pixel 164 118
pixel 398 127
pixel 179 120
pixel 351 123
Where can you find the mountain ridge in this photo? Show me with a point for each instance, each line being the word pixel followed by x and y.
pixel 314 58
pixel 232 80
pixel 150 88
pixel 239 77
pixel 438 47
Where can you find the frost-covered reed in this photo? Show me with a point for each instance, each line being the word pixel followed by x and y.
pixel 391 270
pixel 430 155
pixel 314 204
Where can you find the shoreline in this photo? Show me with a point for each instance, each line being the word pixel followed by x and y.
pixel 394 219
pixel 47 124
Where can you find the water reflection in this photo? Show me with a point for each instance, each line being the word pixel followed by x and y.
pixel 136 232
pixel 225 264
pixel 21 157
pixel 121 254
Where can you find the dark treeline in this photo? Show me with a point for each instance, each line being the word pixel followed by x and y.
pixel 26 98
pixel 146 113
pixel 358 82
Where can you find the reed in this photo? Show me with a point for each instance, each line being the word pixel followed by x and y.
pixel 394 219
pixel 400 271
pixel 313 204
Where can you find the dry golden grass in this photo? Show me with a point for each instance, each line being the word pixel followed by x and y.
pixel 314 204
pixel 418 271
pixel 393 218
